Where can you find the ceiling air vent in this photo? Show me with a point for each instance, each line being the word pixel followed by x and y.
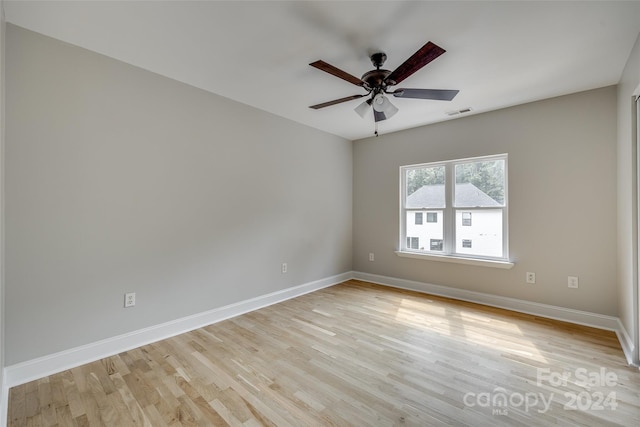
pixel 456 112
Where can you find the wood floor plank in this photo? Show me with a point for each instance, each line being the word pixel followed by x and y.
pixel 355 354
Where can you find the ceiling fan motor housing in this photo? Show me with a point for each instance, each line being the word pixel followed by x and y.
pixel 374 79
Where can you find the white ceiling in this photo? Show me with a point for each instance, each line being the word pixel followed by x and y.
pixel 499 53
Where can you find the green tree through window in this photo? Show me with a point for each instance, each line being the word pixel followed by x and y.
pixel 487 176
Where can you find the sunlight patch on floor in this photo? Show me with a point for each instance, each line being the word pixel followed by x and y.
pixel 474 328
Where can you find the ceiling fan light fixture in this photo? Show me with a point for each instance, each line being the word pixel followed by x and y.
pixel 390 110
pixel 382 104
pixel 363 108
pixel 379 102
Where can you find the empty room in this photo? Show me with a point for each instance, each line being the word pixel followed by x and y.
pixel 310 213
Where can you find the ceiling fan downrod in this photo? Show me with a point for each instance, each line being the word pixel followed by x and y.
pixel 377 59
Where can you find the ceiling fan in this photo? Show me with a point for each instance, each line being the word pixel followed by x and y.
pixel 377 82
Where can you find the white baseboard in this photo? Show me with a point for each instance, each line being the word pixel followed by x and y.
pixel 626 342
pixel 30 370
pixel 579 317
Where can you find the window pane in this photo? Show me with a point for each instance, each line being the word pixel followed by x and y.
pixel 415 242
pixel 418 218
pixel 425 187
pixel 480 184
pixel 424 232
pixel 466 219
pixel 483 237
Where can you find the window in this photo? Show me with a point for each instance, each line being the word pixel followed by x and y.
pixel 466 219
pixel 465 202
pixel 418 218
pixel 435 244
pixel 413 242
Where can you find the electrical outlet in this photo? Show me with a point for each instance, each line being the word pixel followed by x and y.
pixel 284 267
pixel 531 277
pixel 129 299
pixel 371 256
pixel 572 282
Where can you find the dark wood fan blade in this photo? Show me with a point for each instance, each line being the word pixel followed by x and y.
pixel 422 57
pixel 336 101
pixel 437 94
pixel 328 68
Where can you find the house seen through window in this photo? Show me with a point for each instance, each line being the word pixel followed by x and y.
pixel 464 203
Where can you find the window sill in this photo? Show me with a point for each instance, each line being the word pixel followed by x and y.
pixel 457 260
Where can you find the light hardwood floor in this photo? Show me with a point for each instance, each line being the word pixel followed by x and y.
pixel 353 354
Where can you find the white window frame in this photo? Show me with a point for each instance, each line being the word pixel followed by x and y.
pixel 448 254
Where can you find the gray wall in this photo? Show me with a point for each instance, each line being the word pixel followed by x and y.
pixel 562 194
pixel 627 191
pixel 120 180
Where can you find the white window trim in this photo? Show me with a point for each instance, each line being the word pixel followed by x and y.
pixel 507 265
pixel 450 257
